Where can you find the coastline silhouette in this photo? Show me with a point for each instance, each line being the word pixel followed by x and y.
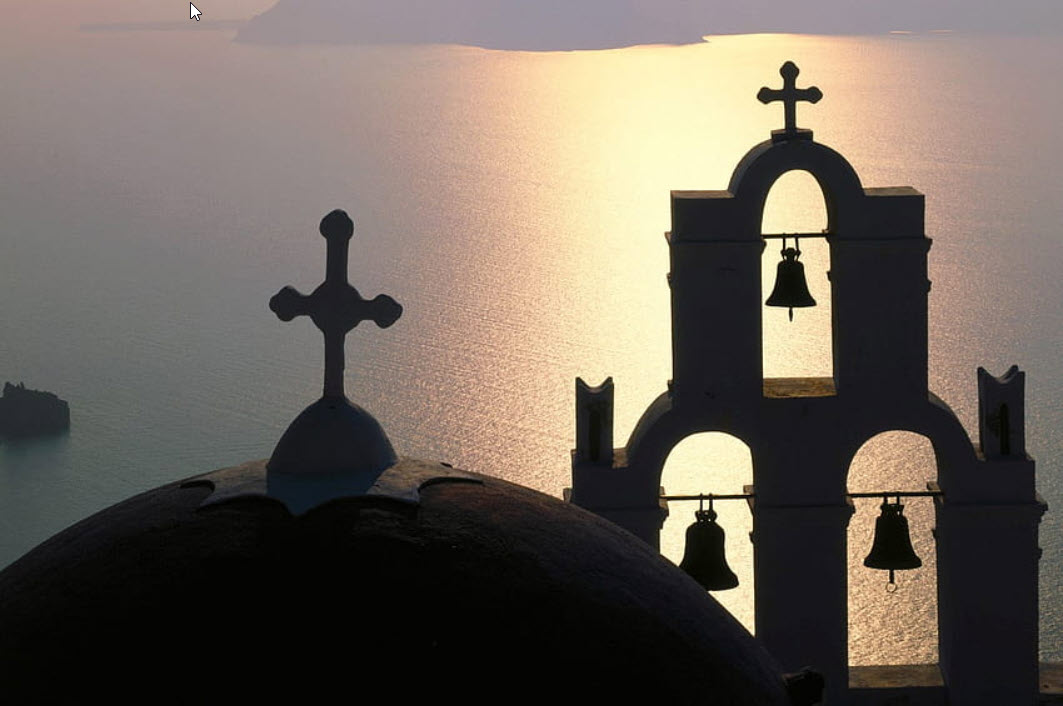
pixel 554 25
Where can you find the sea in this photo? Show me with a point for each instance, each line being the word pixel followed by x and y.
pixel 159 184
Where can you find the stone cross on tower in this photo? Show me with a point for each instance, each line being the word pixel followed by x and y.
pixel 335 306
pixel 790 94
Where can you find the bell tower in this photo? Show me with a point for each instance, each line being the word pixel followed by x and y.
pixel 804 432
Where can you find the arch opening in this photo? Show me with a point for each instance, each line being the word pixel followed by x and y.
pixel 899 627
pixel 713 462
pixel 803 347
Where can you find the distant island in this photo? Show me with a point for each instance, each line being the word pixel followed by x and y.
pixel 540 25
pixel 550 25
pixel 25 412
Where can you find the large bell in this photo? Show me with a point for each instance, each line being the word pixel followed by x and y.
pixel 892 547
pixel 704 559
pixel 791 289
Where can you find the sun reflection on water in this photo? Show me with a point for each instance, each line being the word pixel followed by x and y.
pixel 581 151
pixel 515 203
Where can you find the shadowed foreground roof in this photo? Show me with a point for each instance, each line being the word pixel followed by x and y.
pixel 485 590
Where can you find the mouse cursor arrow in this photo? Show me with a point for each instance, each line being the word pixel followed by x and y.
pixel 194 12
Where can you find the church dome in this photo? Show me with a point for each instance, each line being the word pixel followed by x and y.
pixel 479 589
pixel 338 568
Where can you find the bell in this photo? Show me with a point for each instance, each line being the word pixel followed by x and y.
pixel 791 289
pixel 892 546
pixel 704 559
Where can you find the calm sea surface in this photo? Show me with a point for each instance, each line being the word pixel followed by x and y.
pixel 157 187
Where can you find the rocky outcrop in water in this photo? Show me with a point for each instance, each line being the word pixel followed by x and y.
pixel 25 412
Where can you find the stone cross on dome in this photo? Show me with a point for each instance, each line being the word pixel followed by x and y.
pixel 790 94
pixel 335 306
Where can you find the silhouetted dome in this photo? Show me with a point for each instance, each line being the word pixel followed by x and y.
pixel 337 571
pixel 482 591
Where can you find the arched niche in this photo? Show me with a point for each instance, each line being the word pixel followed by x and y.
pixel 899 627
pixel 661 428
pixel 796 203
pixel 762 166
pixel 713 462
pixel 954 453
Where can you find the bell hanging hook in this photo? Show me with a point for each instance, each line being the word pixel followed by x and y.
pixel 709 514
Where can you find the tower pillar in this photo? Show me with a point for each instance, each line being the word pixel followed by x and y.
pixel 988 556
pixel 801 575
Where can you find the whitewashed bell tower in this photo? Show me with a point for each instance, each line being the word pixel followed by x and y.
pixel 804 432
